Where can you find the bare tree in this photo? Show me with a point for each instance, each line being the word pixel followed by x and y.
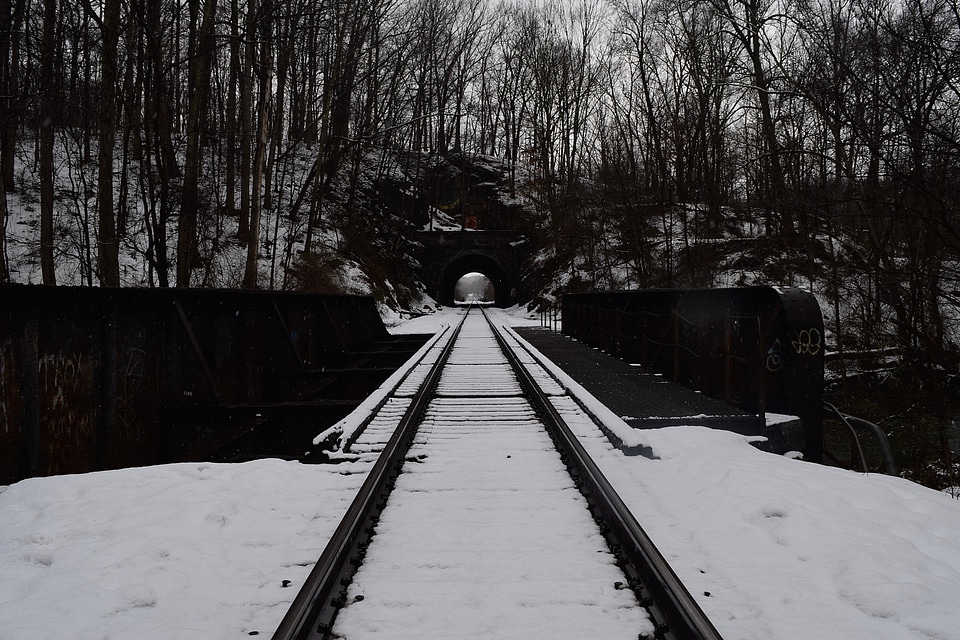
pixel 108 255
pixel 46 140
pixel 265 73
pixel 201 51
pixel 751 21
pixel 11 28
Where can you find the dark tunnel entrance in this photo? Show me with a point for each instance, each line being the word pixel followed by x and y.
pixel 503 291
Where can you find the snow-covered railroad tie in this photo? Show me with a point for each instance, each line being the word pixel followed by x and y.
pixel 484 534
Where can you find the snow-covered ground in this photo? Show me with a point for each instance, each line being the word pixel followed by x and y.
pixel 771 547
pixel 174 551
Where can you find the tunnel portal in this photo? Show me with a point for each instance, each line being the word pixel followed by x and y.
pixel 449 255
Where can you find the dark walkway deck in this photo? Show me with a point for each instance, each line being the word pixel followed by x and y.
pixel 644 400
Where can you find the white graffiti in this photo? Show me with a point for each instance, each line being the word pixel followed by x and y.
pixel 808 342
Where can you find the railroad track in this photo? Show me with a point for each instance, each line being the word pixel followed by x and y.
pixel 484 532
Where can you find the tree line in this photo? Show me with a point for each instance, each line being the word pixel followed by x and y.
pixel 835 121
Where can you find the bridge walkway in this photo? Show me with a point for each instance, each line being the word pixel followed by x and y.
pixel 644 400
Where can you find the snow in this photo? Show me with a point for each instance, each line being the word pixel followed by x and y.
pixel 183 550
pixel 802 550
pixel 785 549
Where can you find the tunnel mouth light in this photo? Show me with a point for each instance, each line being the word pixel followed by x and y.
pixel 474 288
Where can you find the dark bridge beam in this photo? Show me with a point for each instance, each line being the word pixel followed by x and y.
pixel 97 378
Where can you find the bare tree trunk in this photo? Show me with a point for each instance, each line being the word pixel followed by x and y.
pixel 11 26
pixel 157 140
pixel 198 94
pixel 86 83
pixel 48 103
pixel 283 66
pixel 108 254
pixel 263 135
pixel 316 200
pixel 134 92
pixel 165 55
pixel 4 269
pixel 246 97
pixel 768 128
pixel 231 114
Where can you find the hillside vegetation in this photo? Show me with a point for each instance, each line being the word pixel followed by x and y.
pixel 294 144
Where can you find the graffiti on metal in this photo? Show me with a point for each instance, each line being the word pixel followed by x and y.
pixel 96 378
pixel 808 342
pixel 67 402
pixel 130 392
pixel 775 357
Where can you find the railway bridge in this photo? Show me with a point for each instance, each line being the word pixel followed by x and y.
pixel 462 435
pixel 98 378
pixel 447 256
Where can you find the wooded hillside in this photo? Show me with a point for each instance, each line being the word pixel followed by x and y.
pixel 652 142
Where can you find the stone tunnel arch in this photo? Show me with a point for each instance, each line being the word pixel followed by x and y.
pixel 504 290
pixel 446 256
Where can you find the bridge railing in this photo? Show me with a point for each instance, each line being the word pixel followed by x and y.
pixel 758 348
pixel 85 372
pixel 550 314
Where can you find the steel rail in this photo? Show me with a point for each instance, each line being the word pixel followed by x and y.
pixel 676 615
pixel 313 610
